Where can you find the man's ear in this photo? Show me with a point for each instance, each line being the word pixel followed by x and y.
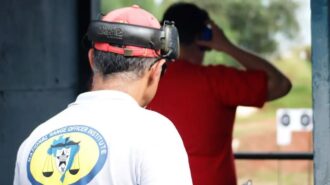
pixel 91 58
pixel 156 69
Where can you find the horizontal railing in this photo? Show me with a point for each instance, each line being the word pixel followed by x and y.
pixel 274 156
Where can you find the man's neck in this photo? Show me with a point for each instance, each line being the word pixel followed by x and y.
pixel 134 88
pixel 188 54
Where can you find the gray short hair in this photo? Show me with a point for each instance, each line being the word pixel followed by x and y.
pixel 108 63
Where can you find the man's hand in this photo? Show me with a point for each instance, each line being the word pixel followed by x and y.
pixel 219 40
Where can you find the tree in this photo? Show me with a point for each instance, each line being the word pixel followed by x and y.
pixel 149 5
pixel 254 24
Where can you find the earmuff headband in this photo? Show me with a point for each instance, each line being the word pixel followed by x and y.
pixel 165 39
pixel 122 34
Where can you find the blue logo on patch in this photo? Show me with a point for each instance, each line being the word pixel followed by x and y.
pixel 69 155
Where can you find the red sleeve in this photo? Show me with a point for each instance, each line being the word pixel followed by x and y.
pixel 237 87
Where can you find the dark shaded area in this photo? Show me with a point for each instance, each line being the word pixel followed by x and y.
pixel 84 71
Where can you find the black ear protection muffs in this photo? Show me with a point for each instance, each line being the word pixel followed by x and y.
pixel 165 39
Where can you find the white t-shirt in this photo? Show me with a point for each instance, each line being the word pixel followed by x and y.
pixel 104 137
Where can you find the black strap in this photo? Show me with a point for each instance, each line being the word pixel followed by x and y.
pixel 125 34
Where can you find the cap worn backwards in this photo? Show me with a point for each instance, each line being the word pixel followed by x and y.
pixel 133 15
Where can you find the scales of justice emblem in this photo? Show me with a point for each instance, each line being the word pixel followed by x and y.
pixel 64 153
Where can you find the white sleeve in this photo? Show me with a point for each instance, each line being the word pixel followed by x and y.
pixel 165 160
pixel 16 177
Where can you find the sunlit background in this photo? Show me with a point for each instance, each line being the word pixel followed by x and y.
pixel 280 31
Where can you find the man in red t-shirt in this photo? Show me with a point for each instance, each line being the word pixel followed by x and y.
pixel 202 100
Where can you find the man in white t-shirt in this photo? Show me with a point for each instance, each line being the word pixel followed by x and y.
pixel 106 136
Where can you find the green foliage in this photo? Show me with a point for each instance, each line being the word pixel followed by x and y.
pixel 149 5
pixel 254 24
pixel 214 57
pixel 299 72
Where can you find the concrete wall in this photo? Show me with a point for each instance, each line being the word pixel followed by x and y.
pixel 39 67
pixel 321 90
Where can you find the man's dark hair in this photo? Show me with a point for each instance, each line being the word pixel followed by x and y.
pixel 189 20
pixel 108 63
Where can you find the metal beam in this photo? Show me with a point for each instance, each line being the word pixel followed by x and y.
pixel 321 90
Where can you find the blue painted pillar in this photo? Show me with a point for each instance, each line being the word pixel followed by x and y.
pixel 321 90
pixel 40 67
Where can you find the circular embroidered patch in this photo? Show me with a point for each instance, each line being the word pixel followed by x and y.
pixel 69 155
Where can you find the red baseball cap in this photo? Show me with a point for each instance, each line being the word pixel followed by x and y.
pixel 133 15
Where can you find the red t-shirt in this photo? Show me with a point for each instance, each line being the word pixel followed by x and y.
pixel 201 102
